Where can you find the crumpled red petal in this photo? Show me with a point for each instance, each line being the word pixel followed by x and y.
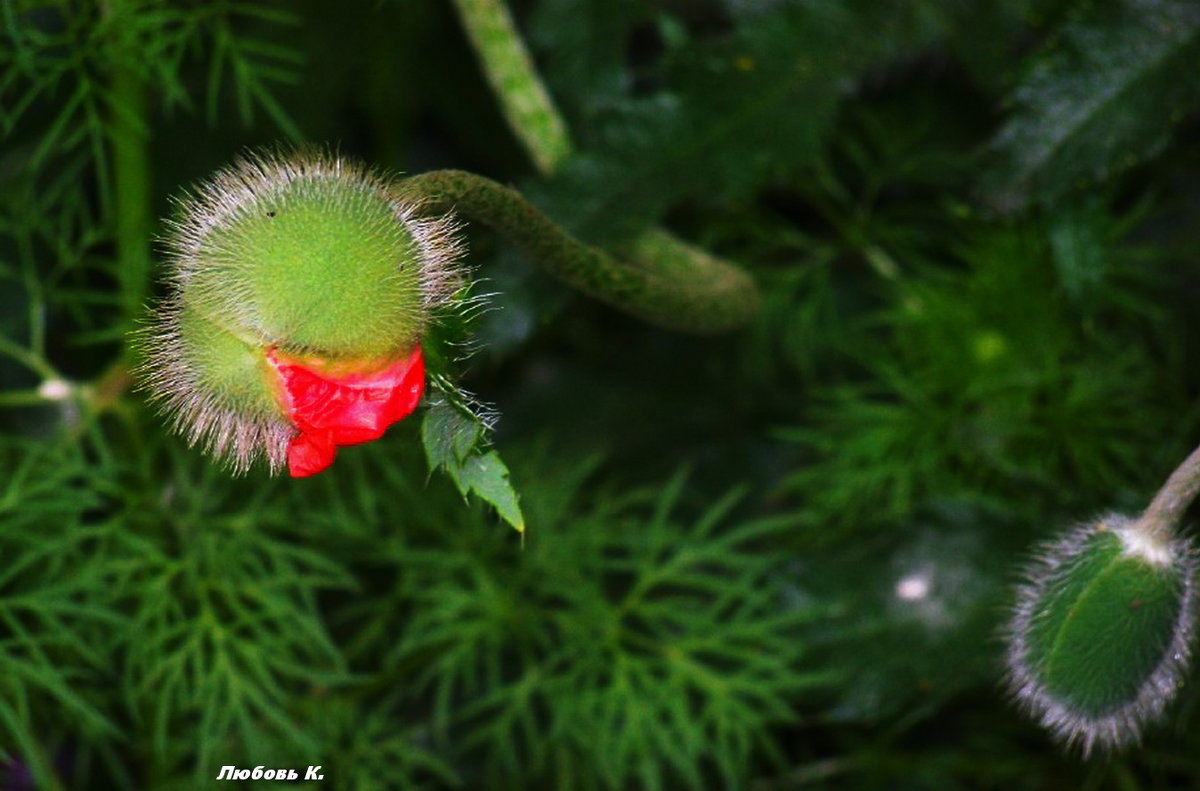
pixel 343 410
pixel 309 453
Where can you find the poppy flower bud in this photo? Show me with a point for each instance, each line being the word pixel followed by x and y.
pixel 301 289
pixel 1100 637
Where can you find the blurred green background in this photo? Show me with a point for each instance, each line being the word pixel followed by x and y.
pixel 774 559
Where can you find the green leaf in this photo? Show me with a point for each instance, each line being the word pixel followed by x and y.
pixel 456 441
pixel 1098 99
pixel 448 435
pixel 487 476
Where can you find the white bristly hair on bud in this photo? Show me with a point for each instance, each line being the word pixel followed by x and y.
pixel 196 411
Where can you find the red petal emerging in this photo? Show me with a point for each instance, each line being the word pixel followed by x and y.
pixel 343 410
pixel 308 453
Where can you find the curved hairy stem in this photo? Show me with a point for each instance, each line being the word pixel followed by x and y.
pixel 508 68
pixel 683 288
pixel 1166 509
pixel 538 125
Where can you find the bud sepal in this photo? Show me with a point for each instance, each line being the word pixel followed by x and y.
pixel 1100 637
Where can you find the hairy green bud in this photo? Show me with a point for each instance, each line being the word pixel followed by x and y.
pixel 305 259
pixel 1101 633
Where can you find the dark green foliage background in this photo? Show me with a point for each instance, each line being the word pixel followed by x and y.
pixel 976 225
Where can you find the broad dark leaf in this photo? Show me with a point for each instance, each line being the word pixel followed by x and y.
pixel 1102 97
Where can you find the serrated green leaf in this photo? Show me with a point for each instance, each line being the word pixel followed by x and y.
pixel 1101 97
pixel 456 441
pixel 448 435
pixel 487 476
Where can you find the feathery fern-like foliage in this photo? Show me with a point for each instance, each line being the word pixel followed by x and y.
pixel 994 384
pixel 931 385
pixel 625 648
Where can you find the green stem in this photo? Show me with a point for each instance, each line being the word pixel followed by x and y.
pixel 508 68
pixel 22 398
pixel 1162 517
pixel 682 289
pixel 535 120
pixel 131 170
pixel 31 360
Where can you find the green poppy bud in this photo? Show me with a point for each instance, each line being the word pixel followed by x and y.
pixel 1101 633
pixel 302 287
